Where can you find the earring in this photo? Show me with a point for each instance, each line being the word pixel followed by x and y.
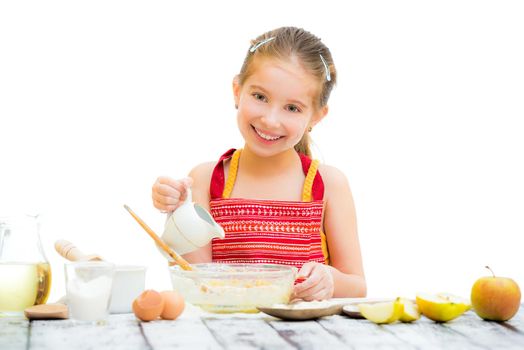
pixel 309 129
pixel 236 106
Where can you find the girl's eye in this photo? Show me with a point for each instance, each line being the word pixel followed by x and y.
pixel 260 97
pixel 293 109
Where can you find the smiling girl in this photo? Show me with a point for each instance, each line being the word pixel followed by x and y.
pixel 275 203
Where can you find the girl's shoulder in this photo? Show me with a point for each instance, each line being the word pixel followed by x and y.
pixel 202 172
pixel 205 170
pixel 331 174
pixel 201 175
pixel 334 179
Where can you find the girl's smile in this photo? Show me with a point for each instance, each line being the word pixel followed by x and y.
pixel 266 136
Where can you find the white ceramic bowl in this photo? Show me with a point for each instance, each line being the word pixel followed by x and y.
pixel 129 281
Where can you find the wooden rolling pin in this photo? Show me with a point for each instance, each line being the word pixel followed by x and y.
pixel 69 251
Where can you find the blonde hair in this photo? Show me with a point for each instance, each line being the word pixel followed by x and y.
pixel 284 43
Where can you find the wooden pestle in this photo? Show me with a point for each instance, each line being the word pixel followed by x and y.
pixel 69 251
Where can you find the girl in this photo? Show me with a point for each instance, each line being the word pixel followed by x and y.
pixel 274 203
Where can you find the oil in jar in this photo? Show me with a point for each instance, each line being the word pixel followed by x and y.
pixel 23 285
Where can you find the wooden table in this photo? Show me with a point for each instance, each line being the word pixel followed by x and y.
pixel 198 330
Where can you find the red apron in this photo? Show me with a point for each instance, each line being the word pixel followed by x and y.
pixel 268 231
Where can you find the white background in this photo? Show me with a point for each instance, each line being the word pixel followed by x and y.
pixel 98 98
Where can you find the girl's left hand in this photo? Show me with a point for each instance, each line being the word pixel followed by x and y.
pixel 318 285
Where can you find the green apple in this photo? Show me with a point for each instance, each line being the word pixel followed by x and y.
pixel 495 298
pixel 442 307
pixel 385 312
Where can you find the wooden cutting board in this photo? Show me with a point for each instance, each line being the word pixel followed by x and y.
pixel 47 312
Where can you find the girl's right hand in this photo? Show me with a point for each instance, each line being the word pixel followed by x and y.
pixel 168 194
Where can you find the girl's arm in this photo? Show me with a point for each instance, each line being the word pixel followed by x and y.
pixel 344 277
pixel 340 225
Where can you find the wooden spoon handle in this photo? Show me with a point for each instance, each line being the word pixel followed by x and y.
pixel 68 250
pixel 178 259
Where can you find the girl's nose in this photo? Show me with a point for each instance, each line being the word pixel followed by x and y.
pixel 271 119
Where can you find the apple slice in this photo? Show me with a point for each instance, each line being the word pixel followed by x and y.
pixel 442 307
pixel 411 312
pixel 385 312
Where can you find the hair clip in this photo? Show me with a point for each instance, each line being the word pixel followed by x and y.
pixel 256 46
pixel 328 74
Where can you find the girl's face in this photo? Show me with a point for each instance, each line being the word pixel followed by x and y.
pixel 275 105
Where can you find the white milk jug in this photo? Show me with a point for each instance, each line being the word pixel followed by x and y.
pixel 190 227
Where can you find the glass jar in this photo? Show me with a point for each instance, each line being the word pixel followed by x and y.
pixel 25 274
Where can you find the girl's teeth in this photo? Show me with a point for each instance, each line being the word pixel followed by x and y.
pixel 267 137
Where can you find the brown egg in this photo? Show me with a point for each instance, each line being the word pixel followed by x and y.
pixel 173 304
pixel 148 305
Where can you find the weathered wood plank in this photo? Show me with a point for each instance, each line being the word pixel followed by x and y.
pixel 182 333
pixel 118 332
pixel 245 333
pixel 13 333
pixel 306 335
pixel 362 334
pixel 209 331
pixel 486 333
pixel 426 334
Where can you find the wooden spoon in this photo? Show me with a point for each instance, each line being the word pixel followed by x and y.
pixel 178 259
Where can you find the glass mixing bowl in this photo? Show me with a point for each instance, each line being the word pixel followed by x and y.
pixel 227 288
